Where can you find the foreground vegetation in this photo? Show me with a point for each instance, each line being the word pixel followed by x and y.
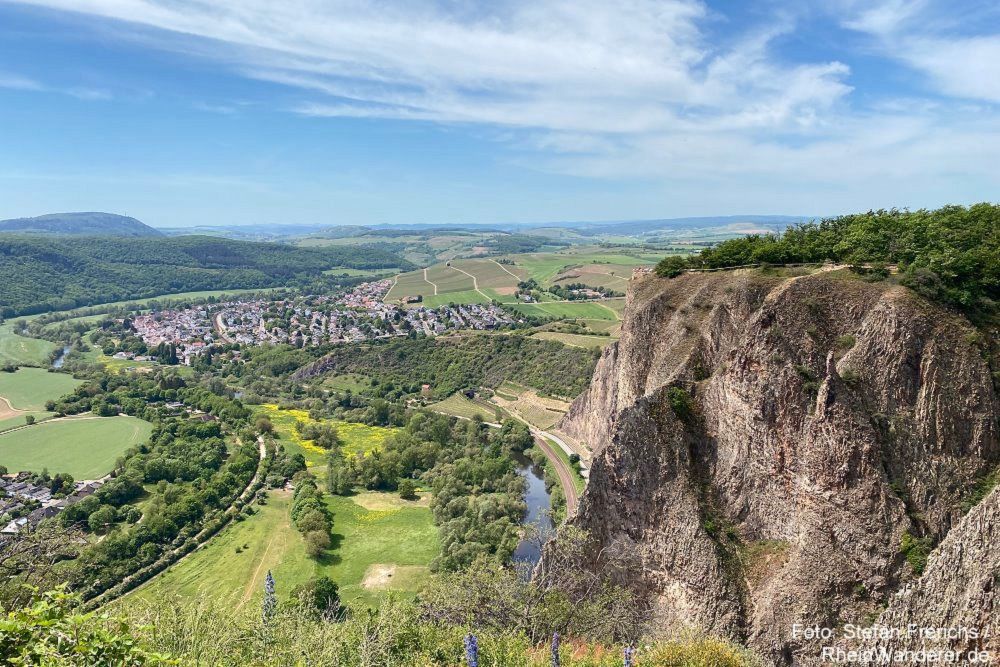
pixel 511 620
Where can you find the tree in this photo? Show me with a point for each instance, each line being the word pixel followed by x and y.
pixel 29 419
pixel 407 489
pixel 671 266
pixel 317 542
pixel 263 425
pixel 321 596
pixel 102 519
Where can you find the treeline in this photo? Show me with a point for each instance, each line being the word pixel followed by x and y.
pixel 951 254
pixel 450 364
pixel 478 496
pixel 40 274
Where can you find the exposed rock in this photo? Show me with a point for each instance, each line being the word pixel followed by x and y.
pixel 831 417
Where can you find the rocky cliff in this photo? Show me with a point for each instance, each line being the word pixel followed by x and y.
pixel 784 450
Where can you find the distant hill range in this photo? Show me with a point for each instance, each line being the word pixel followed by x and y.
pixel 80 224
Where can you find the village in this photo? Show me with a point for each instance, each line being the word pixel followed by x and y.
pixel 26 499
pixel 358 315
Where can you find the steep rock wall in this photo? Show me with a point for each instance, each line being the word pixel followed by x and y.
pixel 831 417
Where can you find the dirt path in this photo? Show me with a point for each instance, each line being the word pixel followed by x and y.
pixel 9 410
pixel 434 285
pixel 475 282
pixel 507 270
pixel 252 584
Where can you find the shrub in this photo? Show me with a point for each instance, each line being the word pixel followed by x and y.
pixel 681 403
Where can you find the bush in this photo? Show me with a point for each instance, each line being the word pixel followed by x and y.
pixel 681 403
pixel 671 266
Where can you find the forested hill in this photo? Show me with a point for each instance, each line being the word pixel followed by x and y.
pixel 39 274
pixel 80 224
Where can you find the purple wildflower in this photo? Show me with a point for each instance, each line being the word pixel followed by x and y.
pixel 472 650
pixel 270 599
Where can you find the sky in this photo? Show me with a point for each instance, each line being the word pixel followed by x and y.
pixel 189 112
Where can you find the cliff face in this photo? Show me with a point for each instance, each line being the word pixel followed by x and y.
pixel 766 443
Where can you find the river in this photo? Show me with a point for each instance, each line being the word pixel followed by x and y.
pixel 537 499
pixel 61 358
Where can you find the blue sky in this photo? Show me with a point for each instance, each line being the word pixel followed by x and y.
pixel 185 112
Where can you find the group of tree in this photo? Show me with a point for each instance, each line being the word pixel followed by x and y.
pixel 310 515
pixel 478 496
pixel 951 254
pixel 451 364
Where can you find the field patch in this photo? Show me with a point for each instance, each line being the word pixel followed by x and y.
pixel 592 310
pixel 23 351
pixel 355 438
pixel 541 411
pixel 457 405
pixel 30 388
pixel 85 447
pixel 459 298
pixel 575 340
pixel 389 576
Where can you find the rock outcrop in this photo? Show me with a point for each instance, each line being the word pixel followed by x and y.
pixel 772 447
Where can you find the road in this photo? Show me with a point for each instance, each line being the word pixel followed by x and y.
pixel 563 471
pixel 220 328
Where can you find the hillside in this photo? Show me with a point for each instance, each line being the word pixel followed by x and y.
pixel 57 273
pixel 80 224
pixel 805 443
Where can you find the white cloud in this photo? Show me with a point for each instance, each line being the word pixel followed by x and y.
pixel 16 82
pixel 625 89
pixel 628 66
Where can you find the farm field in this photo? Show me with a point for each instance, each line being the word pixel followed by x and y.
pixel 607 309
pixel 381 543
pixel 458 405
pixel 575 340
pixel 85 447
pixel 30 388
pixel 470 296
pixel 356 438
pixel 541 411
pixel 22 351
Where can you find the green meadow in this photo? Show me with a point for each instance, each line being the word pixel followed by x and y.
pixel 85 447
pixel 380 544
pixel 30 388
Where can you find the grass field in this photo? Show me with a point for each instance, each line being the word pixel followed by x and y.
pixel 605 310
pixel 29 388
pixel 84 447
pixel 356 438
pixel 350 381
pixel 373 534
pixel 22 351
pixel 575 340
pixel 458 405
